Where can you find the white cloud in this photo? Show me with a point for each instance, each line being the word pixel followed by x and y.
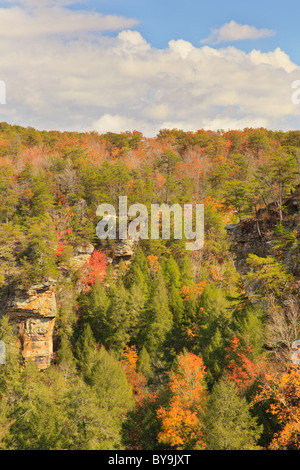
pixel 96 82
pixel 277 59
pixel 44 20
pixel 181 47
pixel 117 123
pixel 132 42
pixel 233 31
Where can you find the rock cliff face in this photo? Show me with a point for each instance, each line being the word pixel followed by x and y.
pixel 33 313
pixel 121 250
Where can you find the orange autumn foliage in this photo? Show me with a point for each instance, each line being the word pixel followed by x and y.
pixel 217 205
pixel 153 263
pixel 241 368
pixel 136 379
pixel 181 423
pixel 283 388
pixel 196 289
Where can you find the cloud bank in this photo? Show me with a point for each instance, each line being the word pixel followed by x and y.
pixel 62 71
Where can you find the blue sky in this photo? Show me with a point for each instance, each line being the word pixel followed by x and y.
pixel 192 20
pixel 116 65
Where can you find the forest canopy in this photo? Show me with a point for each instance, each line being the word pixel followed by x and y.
pixel 167 351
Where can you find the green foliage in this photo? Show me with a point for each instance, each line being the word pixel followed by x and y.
pixel 37 423
pixel 270 275
pixel 8 193
pixel 215 331
pixel 166 165
pixel 242 196
pixel 278 176
pixel 10 372
pixel 286 240
pixel 38 259
pixel 229 424
pixel 141 428
pixel 12 238
pixel 94 306
pixel 157 317
pixel 122 316
pixel 61 408
pixel 236 143
pixel 248 323
pixel 138 272
pixel 89 426
pixel 258 142
pixel 65 358
pixel 42 200
pixel 124 141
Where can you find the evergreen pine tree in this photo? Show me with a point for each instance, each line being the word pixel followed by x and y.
pixel 94 306
pixel 88 426
pixel 108 379
pixel 86 352
pixel 65 358
pixel 138 272
pixel 186 271
pixel 37 420
pixel 120 319
pixel 229 424
pixel 144 362
pixel 158 317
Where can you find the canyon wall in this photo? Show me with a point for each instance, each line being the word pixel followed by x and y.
pixel 33 311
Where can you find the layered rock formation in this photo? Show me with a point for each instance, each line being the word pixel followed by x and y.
pixel 33 313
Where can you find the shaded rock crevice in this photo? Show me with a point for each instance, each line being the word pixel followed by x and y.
pixel 260 236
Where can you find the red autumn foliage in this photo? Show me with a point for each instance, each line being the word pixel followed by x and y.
pixel 241 368
pixel 62 241
pixel 95 270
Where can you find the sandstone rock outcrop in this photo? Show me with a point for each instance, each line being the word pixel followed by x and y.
pixel 81 256
pixel 120 250
pixel 33 313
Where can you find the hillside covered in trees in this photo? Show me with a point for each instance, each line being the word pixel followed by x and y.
pixel 169 350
